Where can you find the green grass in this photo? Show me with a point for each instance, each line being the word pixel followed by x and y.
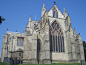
pixel 56 64
pixel 4 63
pixel 47 64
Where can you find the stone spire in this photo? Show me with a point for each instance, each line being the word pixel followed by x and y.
pixel 64 13
pixel 16 30
pixel 74 32
pixel 7 29
pixel 78 36
pixel 30 18
pixel 43 5
pixel 43 10
pixel 64 9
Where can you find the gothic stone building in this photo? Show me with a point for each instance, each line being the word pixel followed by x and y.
pixel 50 40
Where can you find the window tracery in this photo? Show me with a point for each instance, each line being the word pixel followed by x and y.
pixel 56 38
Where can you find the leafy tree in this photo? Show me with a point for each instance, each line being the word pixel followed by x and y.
pixel 1 19
pixel 84 45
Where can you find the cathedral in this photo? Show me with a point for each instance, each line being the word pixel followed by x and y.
pixel 49 40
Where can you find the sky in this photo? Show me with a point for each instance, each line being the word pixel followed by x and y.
pixel 17 13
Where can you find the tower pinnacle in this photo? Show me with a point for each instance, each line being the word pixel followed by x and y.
pixel 7 29
pixel 64 12
pixel 43 5
pixel 64 9
pixel 30 18
pixel 43 10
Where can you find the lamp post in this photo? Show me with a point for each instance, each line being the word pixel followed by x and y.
pixel 82 62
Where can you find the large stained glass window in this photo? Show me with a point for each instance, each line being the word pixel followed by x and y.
pixel 56 38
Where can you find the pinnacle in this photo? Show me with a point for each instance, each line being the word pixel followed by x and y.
pixel 43 5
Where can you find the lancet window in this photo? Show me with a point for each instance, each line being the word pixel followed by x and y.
pixel 56 38
pixel 55 13
pixel 38 45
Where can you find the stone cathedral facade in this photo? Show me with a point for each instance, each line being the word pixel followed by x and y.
pixel 50 40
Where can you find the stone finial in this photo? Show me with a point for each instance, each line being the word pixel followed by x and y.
pixel 54 3
pixel 65 13
pixel 23 31
pixel 43 10
pixel 79 37
pixel 16 30
pixel 75 32
pixel 30 18
pixel 7 29
pixel 43 5
pixel 64 9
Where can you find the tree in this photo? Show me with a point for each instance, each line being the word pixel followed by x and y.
pixel 84 45
pixel 1 19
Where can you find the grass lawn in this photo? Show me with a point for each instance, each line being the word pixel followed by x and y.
pixel 47 64
pixel 56 64
pixel 4 63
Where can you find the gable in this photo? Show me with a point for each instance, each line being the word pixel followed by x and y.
pixel 50 12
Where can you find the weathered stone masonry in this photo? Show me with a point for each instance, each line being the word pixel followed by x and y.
pixel 50 40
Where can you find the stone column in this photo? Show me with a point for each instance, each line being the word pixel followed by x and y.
pixel 81 50
pixel 47 52
pixel 73 52
pixel 69 46
pixel 27 50
pixel 46 44
pixel 34 49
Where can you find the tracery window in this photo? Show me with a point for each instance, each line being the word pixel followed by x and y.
pixel 56 38
pixel 20 41
pixel 55 13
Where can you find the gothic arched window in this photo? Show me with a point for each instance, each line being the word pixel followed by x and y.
pixel 38 45
pixel 55 13
pixel 20 41
pixel 56 38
